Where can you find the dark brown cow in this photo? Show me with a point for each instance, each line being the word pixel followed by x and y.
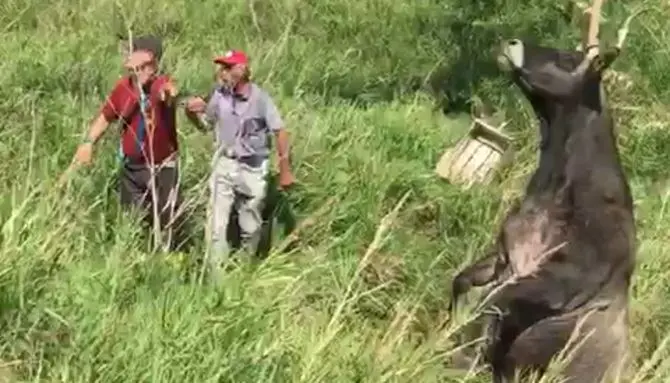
pixel 569 245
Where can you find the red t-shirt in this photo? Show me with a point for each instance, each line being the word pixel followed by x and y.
pixel 123 104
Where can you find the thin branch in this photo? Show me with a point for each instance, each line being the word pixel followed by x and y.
pixel 377 242
pixel 254 17
pixel 623 31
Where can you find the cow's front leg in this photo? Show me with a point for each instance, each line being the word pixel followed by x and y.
pixel 478 274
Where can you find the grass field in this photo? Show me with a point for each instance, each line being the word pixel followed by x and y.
pixel 81 300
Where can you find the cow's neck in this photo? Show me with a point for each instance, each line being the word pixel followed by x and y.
pixel 591 128
pixel 549 172
pixel 575 128
pixel 581 168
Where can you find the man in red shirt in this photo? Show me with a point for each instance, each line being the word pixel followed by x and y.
pixel 143 103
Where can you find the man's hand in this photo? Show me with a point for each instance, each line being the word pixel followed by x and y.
pixel 84 154
pixel 168 91
pixel 286 180
pixel 196 105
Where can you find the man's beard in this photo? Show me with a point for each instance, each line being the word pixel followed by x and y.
pixel 228 85
pixel 148 79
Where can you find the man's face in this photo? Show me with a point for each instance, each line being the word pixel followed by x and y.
pixel 230 75
pixel 142 65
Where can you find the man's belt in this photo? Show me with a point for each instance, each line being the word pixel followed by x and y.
pixel 170 162
pixel 229 153
pixel 253 160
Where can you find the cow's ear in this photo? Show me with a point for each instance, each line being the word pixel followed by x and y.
pixel 511 56
pixel 604 60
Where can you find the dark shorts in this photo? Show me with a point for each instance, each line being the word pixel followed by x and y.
pixel 135 190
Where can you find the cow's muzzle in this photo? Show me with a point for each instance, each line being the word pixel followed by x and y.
pixel 510 55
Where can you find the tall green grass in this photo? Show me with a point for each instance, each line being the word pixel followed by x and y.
pixel 361 86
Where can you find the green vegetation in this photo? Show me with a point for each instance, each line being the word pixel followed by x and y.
pixel 80 298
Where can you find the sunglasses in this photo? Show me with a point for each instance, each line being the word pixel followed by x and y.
pixel 223 66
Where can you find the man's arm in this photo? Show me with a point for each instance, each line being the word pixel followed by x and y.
pixel 276 125
pixel 108 114
pixel 203 121
pixel 97 129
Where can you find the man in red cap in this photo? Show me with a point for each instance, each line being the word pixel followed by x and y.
pixel 143 102
pixel 243 116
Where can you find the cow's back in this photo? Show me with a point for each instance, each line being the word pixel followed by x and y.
pixel 599 195
pixel 593 166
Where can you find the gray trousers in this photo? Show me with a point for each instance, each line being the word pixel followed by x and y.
pixel 241 185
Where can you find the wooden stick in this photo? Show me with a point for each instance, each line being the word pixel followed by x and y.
pixel 594 24
pixel 591 49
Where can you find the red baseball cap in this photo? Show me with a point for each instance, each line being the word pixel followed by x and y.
pixel 232 57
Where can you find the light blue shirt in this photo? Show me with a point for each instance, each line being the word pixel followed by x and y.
pixel 243 122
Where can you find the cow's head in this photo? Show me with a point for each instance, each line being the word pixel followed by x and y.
pixel 521 60
pixel 550 76
pixel 553 74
